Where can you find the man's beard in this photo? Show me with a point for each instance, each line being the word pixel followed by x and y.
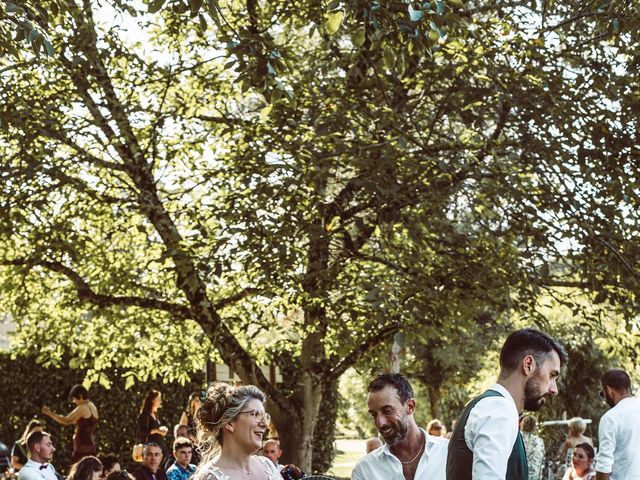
pixel 533 400
pixel 609 400
pixel 397 433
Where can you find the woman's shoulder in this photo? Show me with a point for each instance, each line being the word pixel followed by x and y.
pixel 208 471
pixel 269 467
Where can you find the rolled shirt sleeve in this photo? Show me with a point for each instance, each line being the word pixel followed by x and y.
pixel 606 444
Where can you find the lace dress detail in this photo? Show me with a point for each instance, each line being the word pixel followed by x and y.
pixel 209 472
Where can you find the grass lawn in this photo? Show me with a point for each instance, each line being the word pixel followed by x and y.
pixel 349 452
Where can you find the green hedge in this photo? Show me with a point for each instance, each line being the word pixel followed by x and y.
pixel 25 387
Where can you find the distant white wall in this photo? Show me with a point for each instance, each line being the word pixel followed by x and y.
pixel 7 325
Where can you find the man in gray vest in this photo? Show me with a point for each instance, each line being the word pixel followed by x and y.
pixel 486 443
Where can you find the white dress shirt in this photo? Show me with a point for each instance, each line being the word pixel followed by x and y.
pixel 381 464
pixel 619 438
pixel 32 471
pixel 490 433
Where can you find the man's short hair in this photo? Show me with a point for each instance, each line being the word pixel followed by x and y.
pixel 146 446
pixel 176 429
pixel 34 438
pixel 373 443
pixel 616 379
pixel 182 442
pixel 395 380
pixel 529 341
pixel 272 440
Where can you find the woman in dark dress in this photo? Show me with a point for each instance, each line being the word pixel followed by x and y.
pixel 19 454
pixel 84 416
pixel 149 427
pixel 188 418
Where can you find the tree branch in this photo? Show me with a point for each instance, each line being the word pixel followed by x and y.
pixel 355 354
pixel 87 294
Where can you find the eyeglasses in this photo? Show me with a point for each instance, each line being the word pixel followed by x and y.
pixel 258 415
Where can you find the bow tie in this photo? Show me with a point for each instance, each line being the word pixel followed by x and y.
pixel 44 466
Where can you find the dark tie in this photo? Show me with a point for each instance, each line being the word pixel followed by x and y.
pixel 44 466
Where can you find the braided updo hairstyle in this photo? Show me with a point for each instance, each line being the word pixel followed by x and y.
pixel 221 406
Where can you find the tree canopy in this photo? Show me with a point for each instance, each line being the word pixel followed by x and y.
pixel 295 182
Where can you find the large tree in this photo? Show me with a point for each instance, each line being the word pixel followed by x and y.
pixel 294 182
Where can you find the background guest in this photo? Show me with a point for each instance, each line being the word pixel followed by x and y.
pixel 150 430
pixel 110 463
pixel 436 428
pixel 372 444
pixel 85 418
pixel 271 449
pixel 576 427
pixel 19 456
pixel 182 469
pixel 188 416
pixel 88 468
pixel 150 468
pixel 39 466
pixel 533 445
pixel 581 463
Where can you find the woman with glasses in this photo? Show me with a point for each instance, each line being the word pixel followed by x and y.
pixel 231 423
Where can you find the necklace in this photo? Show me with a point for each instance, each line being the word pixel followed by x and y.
pixel 424 442
pixel 237 470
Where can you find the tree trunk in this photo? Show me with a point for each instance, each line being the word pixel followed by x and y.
pixel 325 431
pixel 296 427
pixel 434 399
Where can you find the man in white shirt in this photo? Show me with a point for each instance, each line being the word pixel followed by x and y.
pixel 271 449
pixel 619 430
pixel 486 443
pixel 41 453
pixel 409 453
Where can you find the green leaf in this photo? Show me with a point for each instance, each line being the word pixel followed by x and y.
pixel 12 7
pixel 388 56
pixel 155 5
pixel 358 37
pixel 203 22
pixel 264 113
pixel 48 47
pixel 333 22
